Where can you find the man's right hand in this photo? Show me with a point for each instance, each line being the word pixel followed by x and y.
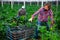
pixel 30 19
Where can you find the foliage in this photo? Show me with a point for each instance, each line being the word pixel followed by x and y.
pixel 7 14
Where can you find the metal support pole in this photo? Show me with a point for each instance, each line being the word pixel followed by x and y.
pixel 30 2
pixel 11 4
pixel 18 3
pixel 37 2
pixel 56 8
pixel 42 3
pixel 24 3
pixel 2 3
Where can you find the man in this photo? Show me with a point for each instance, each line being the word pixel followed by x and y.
pixel 22 11
pixel 43 14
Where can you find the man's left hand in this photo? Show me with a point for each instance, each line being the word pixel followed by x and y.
pixel 52 22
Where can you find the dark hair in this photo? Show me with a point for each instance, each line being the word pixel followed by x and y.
pixel 48 4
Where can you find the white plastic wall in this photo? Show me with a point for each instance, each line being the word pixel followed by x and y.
pixel 27 0
pixel 12 1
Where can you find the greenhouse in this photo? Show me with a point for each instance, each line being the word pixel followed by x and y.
pixel 18 20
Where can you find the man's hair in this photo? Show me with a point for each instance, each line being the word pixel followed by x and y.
pixel 48 4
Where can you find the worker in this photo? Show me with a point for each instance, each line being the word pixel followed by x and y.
pixel 21 11
pixel 43 14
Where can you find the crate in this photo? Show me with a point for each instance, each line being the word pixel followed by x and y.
pixel 19 33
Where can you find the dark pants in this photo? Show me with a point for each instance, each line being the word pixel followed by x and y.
pixel 40 24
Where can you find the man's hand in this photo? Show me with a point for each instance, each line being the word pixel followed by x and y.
pixel 30 19
pixel 52 22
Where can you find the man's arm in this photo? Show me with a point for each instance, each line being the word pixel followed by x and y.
pixel 51 17
pixel 37 12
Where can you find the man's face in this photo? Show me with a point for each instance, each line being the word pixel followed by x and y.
pixel 46 7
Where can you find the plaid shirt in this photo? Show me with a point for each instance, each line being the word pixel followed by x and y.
pixel 43 15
